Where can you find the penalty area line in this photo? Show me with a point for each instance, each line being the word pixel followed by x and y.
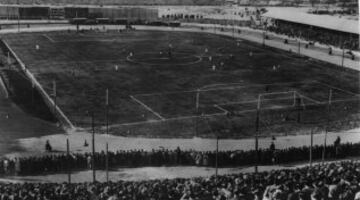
pixel 147 107
pixel 308 98
pixel 164 120
pixel 336 88
pixel 221 108
pixel 49 38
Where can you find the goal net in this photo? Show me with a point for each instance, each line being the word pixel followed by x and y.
pixel 276 100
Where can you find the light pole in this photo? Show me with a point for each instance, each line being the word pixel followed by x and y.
pixel 216 159
pixel 216 152
pixel 265 34
pixel 327 127
pixel 264 38
pixel 32 93
pixel 55 96
pixel 107 134
pixel 8 59
pixel 233 26
pixel 18 22
pixel 93 147
pixel 343 56
pixel 311 146
pixel 68 160
pixel 197 111
pixel 257 122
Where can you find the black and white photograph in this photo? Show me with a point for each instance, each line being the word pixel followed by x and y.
pixel 179 100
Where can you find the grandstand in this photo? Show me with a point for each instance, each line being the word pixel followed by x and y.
pixel 333 181
pixel 324 29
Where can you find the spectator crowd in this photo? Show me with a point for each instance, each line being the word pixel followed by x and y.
pixel 53 163
pixel 332 181
pixel 321 36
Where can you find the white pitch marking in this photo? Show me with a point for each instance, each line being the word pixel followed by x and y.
pixel 221 108
pixel 333 87
pixel 147 107
pixel 164 120
pixel 49 38
pixel 308 98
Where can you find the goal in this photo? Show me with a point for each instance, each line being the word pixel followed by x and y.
pixel 274 100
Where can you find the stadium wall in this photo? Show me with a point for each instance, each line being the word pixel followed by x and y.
pixel 113 2
pixel 34 12
pixel 7 12
pixel 44 12
pixel 126 12
pixel 349 3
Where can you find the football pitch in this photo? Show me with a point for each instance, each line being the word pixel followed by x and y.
pixel 178 84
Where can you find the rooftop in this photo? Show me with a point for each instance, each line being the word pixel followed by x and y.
pixel 324 21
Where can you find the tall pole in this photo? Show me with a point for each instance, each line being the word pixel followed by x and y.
pixel 9 65
pixel 18 22
pixel 107 162
pixel 197 111
pixel 298 107
pixel 311 146
pixel 197 100
pixel 54 93
pixel 93 147
pixel 327 126
pixel 299 47
pixel 107 133
pixel 343 56
pixel 294 98
pixel 32 92
pixel 8 58
pixel 216 159
pixel 68 159
pixel 257 134
pixel 263 39
pixel 233 24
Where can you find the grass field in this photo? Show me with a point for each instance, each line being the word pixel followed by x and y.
pixel 154 93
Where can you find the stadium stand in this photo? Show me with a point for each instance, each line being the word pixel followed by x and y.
pixel 332 181
pixel 325 29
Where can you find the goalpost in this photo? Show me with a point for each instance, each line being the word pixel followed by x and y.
pixel 281 99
